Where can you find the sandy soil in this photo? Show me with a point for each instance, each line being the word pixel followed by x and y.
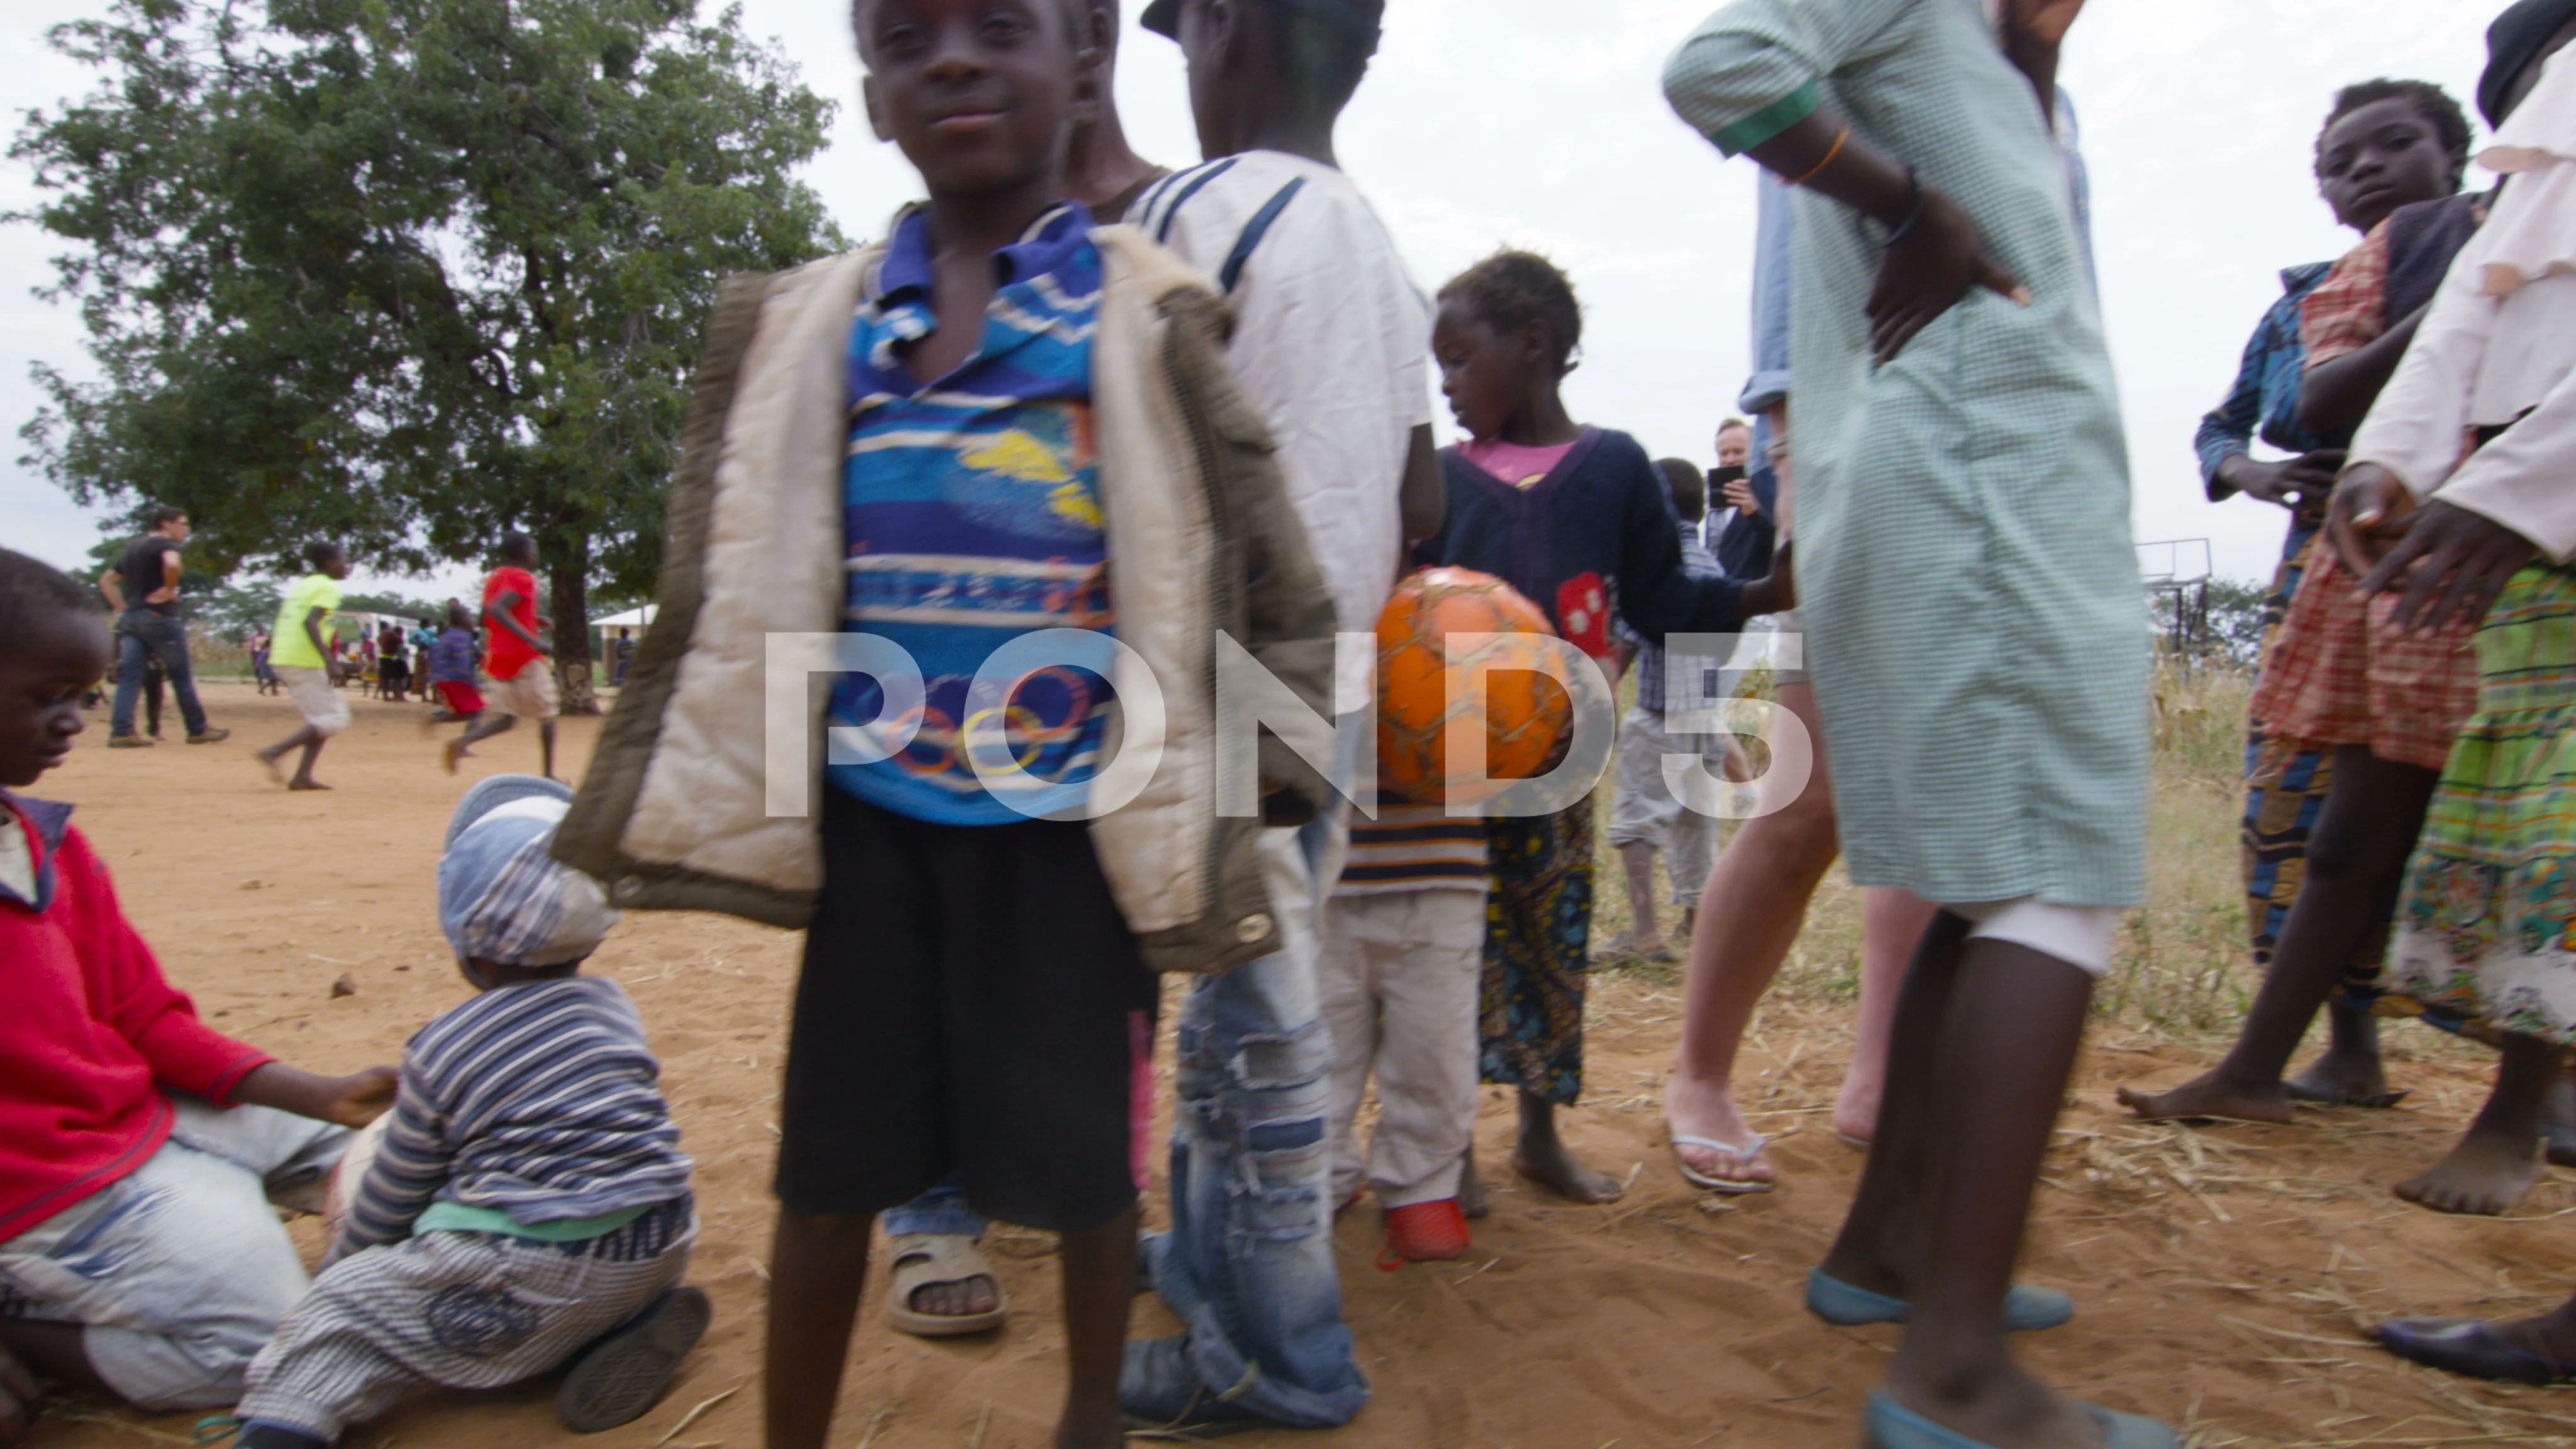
pixel 2222 1274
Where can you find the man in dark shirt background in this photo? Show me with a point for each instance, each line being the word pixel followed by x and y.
pixel 144 589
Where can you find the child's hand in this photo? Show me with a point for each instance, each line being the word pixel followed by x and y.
pixel 363 1097
pixel 350 1101
pixel 1926 271
pixel 2369 512
pixel 1775 591
pixel 2454 563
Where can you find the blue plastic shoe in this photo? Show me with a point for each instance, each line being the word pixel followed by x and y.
pixel 1894 1426
pixel 2028 1308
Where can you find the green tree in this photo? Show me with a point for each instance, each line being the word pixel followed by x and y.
pixel 408 273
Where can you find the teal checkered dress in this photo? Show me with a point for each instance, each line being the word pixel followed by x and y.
pixel 1975 623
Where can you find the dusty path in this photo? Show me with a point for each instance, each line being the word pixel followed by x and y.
pixel 2221 1273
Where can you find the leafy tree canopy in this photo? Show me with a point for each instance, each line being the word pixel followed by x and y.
pixel 408 273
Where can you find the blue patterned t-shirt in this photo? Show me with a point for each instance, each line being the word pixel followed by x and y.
pixel 972 519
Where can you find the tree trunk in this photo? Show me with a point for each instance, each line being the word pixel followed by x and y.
pixel 571 576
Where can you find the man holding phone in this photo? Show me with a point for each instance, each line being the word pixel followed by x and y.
pixel 1743 536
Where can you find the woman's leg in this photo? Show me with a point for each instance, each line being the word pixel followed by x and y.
pixel 1750 916
pixel 1892 923
pixel 1985 1039
pixel 2356 861
pixel 2499 1159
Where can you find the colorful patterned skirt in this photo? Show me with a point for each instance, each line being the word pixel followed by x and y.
pixel 2487 926
pixel 1538 940
pixel 2342 674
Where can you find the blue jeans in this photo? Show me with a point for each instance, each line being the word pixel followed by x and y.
pixel 149 635
pixel 179 1271
pixel 943 1209
pixel 1248 1264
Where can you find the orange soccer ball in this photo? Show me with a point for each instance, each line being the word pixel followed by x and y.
pixel 1526 713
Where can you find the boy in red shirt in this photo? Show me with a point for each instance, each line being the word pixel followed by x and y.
pixel 140 1150
pixel 523 684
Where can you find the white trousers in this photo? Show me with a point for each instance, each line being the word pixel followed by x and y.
pixel 1645 811
pixel 1398 975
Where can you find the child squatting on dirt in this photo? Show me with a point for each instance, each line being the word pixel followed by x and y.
pixel 140 1150
pixel 529 1205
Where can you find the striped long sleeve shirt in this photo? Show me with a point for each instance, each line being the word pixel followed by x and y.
pixel 540 1101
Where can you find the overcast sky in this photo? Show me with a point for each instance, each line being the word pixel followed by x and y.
pixel 1543 125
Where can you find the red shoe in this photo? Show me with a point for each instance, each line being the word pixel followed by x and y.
pixel 1423 1232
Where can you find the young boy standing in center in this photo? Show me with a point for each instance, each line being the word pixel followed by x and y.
pixel 1331 341
pixel 999 429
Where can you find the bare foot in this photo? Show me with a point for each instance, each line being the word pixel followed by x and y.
pixel 2558 1122
pixel 2339 1081
pixel 268 762
pixel 453 752
pixel 300 783
pixel 1551 1165
pixel 2483 1176
pixel 2207 1096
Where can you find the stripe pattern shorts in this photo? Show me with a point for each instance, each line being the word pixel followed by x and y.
pixel 457 1310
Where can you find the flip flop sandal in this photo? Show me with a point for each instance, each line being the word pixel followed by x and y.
pixel 1712 1182
pixel 1894 1426
pixel 1856 1144
pixel 2028 1308
pixel 2472 1347
pixel 619 1378
pixel 922 1259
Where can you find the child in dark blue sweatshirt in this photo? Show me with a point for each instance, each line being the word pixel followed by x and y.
pixel 1578 519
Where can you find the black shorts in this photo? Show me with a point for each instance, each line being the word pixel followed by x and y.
pixel 972 1004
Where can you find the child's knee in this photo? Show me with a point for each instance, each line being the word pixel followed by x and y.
pixel 202 1366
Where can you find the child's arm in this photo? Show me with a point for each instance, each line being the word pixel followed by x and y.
pixel 1657 595
pixel 350 1101
pixel 410 1168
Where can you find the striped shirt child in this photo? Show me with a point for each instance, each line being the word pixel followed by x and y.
pixel 531 1110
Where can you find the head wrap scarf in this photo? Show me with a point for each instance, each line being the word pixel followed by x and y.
pixel 2513 42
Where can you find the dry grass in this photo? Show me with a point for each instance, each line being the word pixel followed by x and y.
pixel 2183 966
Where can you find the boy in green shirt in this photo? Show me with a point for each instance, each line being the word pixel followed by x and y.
pixel 300 653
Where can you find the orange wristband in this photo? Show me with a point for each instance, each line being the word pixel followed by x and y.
pixel 1831 152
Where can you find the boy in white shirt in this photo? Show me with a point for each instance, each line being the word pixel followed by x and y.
pixel 1332 343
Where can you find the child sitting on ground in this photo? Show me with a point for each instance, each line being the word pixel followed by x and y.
pixel 140 1151
pixel 530 1204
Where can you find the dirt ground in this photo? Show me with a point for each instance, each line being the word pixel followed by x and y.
pixel 2222 1274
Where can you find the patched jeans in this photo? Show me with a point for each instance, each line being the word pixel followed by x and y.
pixel 1249 1261
pixel 180 1270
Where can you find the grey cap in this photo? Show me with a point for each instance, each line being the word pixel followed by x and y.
pixel 1356 18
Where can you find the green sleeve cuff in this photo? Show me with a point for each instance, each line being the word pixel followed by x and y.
pixel 1769 121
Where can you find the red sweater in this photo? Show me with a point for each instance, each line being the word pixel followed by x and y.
pixel 90 1032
